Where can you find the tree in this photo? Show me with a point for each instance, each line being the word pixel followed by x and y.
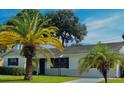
pixel 4 48
pixel 102 58
pixel 27 31
pixel 68 23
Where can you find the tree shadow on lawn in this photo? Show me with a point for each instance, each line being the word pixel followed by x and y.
pixel 14 81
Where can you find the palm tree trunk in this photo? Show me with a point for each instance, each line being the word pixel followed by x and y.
pixel 28 75
pixel 105 79
pixel 105 76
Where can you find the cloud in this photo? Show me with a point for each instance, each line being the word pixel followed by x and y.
pixel 95 23
pixel 104 29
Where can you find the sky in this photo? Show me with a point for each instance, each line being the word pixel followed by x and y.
pixel 102 25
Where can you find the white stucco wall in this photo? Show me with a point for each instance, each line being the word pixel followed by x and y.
pixel 1 61
pixel 21 60
pixel 71 71
pixel 73 68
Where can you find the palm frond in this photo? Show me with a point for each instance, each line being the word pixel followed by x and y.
pixel 9 38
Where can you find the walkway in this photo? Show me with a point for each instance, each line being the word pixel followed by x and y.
pixel 86 80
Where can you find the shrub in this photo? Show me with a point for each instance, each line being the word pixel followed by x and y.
pixel 11 70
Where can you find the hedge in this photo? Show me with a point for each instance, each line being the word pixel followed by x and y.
pixel 11 71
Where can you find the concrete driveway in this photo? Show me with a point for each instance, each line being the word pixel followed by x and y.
pixel 86 80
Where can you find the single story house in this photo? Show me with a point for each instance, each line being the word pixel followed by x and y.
pixel 67 62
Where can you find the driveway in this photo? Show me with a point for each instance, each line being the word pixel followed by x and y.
pixel 86 80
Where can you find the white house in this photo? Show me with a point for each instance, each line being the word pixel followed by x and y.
pixel 66 63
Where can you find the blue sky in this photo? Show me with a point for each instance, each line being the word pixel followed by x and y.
pixel 102 25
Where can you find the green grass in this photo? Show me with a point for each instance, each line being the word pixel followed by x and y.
pixel 116 80
pixel 36 79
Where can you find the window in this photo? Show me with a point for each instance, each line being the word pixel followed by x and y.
pixel 60 62
pixel 13 61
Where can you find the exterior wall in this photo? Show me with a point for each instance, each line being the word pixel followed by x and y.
pixel 20 59
pixel 118 72
pixel 1 61
pixel 71 71
pixel 73 68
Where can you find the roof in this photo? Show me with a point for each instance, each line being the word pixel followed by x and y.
pixel 116 46
pixel 77 49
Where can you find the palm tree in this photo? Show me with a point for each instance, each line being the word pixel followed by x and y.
pixel 27 31
pixel 102 58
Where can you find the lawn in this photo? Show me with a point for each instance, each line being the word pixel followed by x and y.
pixel 116 80
pixel 36 79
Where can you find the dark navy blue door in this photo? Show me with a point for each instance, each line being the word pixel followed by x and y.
pixel 42 66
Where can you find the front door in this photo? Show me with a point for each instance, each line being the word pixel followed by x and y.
pixel 42 66
pixel 122 72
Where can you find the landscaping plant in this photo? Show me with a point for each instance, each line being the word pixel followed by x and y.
pixel 27 30
pixel 102 58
